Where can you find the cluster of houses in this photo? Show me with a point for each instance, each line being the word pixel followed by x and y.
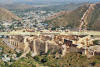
pixel 31 19
pixel 4 57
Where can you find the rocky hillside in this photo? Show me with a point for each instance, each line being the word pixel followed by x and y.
pixel 71 19
pixel 7 15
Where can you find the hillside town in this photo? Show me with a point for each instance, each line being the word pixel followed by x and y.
pixel 30 20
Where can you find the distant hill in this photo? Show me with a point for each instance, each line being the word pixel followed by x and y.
pixel 16 6
pixel 72 18
pixel 7 15
pixel 44 1
pixel 48 6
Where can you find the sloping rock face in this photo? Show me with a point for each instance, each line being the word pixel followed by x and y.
pixel 71 19
pixel 7 15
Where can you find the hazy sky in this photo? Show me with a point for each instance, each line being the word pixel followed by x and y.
pixel 13 1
